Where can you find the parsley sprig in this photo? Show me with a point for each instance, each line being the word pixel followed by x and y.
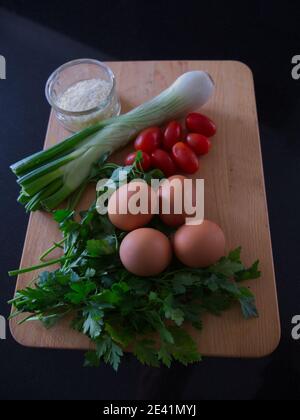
pixel 118 310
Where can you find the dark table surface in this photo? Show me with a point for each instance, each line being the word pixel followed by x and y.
pixel 262 35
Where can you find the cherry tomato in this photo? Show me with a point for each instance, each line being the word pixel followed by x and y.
pixel 163 161
pixel 148 140
pixel 172 135
pixel 145 163
pixel 200 144
pixel 198 123
pixel 185 158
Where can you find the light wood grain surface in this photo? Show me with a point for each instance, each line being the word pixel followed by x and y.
pixel 234 197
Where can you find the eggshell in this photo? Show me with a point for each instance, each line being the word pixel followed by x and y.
pixel 119 206
pixel 167 195
pixel 199 246
pixel 146 252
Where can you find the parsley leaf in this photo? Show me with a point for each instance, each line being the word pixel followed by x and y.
pixel 113 354
pixel 182 280
pixel 91 359
pixel 173 313
pixel 145 352
pixel 105 246
pixel 247 302
pixel 184 349
pixel 93 323
pixel 119 333
pixel 106 350
pixel 81 290
pixel 165 356
pixel 248 274
pixel 235 255
pixel 227 267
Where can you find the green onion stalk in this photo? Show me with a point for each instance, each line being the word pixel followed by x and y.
pixel 48 177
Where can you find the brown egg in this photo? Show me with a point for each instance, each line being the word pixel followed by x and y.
pixel 146 252
pixel 121 206
pixel 199 246
pixel 171 196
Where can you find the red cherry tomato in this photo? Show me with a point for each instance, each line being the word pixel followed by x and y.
pixel 163 161
pixel 172 135
pixel 200 144
pixel 198 123
pixel 145 164
pixel 185 158
pixel 148 140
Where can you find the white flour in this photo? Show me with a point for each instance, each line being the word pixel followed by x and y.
pixel 84 95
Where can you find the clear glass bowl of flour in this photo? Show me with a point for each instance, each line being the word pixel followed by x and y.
pixel 83 92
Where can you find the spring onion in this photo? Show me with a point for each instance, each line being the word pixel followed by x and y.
pixel 48 177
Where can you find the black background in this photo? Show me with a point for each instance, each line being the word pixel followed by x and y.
pixel 36 37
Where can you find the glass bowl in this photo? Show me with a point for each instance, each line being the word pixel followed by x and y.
pixel 76 71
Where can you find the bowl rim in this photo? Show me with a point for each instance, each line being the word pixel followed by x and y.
pixel 52 78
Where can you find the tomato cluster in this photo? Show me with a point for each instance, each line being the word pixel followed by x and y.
pixel 174 149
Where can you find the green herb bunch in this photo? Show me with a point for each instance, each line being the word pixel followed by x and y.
pixel 118 310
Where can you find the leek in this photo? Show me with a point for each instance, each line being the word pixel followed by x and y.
pixel 48 177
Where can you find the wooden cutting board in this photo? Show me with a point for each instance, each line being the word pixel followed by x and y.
pixel 234 198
